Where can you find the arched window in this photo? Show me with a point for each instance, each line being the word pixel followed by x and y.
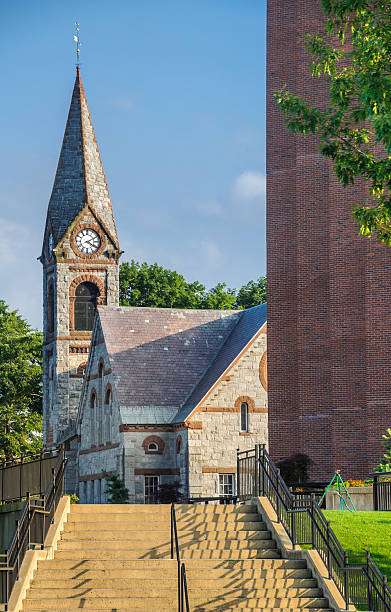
pixel 108 410
pixel 244 416
pixel 93 415
pixel 85 305
pixel 99 416
pixel 50 312
pixel 153 445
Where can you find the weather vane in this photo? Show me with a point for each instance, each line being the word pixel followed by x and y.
pixel 78 43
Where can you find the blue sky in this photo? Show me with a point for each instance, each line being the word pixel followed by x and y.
pixel 176 91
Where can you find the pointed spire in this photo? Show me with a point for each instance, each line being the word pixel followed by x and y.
pixel 80 178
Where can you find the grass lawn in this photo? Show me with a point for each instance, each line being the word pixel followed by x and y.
pixel 361 530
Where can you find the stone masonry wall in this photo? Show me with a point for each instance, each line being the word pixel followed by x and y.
pixel 67 348
pixel 139 463
pixel 100 445
pixel 215 429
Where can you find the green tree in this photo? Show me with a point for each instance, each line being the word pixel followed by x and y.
pixel 152 285
pixel 385 461
pixel 355 128
pixel 219 298
pixel 20 385
pixel 252 294
pixel 142 284
pixel 118 493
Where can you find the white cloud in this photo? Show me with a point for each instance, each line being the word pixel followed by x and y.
pixel 210 209
pixel 249 186
pixel 123 102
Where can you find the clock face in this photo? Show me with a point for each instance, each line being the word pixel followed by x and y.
pixel 87 241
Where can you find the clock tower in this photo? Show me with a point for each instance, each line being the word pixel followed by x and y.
pixel 80 257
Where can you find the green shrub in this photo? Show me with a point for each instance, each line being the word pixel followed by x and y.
pixel 116 490
pixel 385 461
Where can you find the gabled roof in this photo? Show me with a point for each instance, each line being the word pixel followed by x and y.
pixel 251 322
pixel 170 358
pixel 80 178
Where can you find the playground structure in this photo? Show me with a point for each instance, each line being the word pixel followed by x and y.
pixel 338 484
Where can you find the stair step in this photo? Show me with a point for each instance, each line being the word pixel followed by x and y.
pixel 161 535
pixel 95 603
pixel 149 605
pixel 137 509
pixel 135 549
pixel 201 526
pixel 117 558
pixel 170 579
pixel 257 553
pixel 190 509
pixel 187 510
pixel 165 564
pixel 156 573
pixel 156 590
pixel 145 520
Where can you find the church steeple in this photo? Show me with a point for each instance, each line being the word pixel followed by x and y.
pixel 80 178
pixel 80 267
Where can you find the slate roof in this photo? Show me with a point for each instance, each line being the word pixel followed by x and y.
pixel 250 322
pixel 170 358
pixel 80 177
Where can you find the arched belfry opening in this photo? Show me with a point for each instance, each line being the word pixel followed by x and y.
pixel 86 299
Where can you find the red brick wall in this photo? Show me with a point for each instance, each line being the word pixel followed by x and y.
pixel 329 290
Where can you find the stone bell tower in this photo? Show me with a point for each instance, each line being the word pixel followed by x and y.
pixel 80 257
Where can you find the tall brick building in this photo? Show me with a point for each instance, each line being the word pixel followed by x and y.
pixel 329 290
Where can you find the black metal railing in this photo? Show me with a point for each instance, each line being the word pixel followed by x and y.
pixel 31 529
pixel 30 473
pixel 224 500
pixel 303 489
pixel 357 578
pixel 183 597
pixel 381 490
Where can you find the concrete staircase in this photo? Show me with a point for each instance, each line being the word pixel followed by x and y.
pixel 117 558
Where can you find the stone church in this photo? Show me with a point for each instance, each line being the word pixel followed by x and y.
pixel 151 394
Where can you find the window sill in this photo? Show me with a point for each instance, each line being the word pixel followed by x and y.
pixel 244 433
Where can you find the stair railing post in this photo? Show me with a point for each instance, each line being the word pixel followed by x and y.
pixel 182 594
pixel 375 493
pixel 172 535
pixel 313 502
pixel 369 587
pixel 238 473
pixel 262 459
pixel 28 518
pixel 7 580
pixel 384 588
pixel 256 470
pixel 278 495
pixel 346 579
pixel 328 548
pixel 17 548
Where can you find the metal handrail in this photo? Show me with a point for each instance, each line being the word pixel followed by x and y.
pixel 28 527
pixel 357 582
pixel 14 472
pixel 183 597
pixel 222 499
